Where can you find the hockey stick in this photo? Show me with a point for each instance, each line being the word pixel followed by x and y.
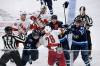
pixel 65 15
pixel 65 5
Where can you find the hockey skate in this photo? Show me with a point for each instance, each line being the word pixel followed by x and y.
pixel 30 60
pixel 11 60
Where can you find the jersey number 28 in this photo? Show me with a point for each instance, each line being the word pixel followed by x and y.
pixel 50 39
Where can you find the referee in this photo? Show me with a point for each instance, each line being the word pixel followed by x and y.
pixel 10 47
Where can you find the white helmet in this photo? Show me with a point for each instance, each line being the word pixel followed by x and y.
pixel 47 29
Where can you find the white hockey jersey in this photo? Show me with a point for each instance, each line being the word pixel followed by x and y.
pixel 22 27
pixel 51 39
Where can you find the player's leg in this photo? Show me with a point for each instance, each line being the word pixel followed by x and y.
pixel 16 57
pixel 89 42
pixel 45 2
pixel 5 58
pixel 85 54
pixel 62 61
pixel 34 55
pixel 67 57
pixel 49 4
pixel 25 57
pixel 2 64
pixel 75 47
pixel 51 58
pixel 65 46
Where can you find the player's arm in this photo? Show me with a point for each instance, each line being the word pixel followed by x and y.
pixel 19 28
pixel 19 39
pixel 60 31
pixel 3 39
pixel 89 21
pixel 77 17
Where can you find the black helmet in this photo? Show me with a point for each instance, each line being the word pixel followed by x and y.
pixel 82 7
pixel 35 33
pixel 54 17
pixel 8 29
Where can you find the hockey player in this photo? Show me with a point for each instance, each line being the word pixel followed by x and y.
pixel 79 41
pixel 22 26
pixel 51 41
pixel 30 52
pixel 55 24
pixel 87 23
pixel 40 19
pixel 10 48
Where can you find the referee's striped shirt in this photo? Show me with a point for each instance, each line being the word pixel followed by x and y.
pixel 10 41
pixel 85 18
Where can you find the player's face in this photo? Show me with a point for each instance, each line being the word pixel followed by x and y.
pixel 54 21
pixel 9 32
pixel 77 24
pixel 23 17
pixel 82 12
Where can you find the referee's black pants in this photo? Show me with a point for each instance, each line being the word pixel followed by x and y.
pixel 8 55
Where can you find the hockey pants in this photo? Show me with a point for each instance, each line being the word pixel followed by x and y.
pixel 26 55
pixel 65 47
pixel 53 56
